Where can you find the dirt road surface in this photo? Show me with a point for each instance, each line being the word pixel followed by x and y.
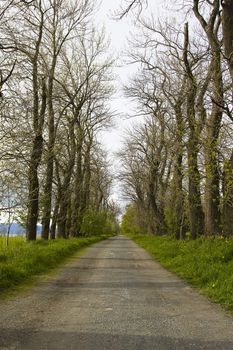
pixel 114 297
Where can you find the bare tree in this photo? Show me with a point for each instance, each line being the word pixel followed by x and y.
pixel 212 202
pixel 65 19
pixel 227 24
pixel 82 110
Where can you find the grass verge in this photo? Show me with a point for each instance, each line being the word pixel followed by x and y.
pixel 205 263
pixel 21 263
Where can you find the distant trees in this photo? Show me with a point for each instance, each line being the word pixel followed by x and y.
pixel 55 101
pixel 187 79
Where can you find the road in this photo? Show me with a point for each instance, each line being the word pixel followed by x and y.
pixel 114 297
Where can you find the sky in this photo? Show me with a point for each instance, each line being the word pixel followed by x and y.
pixel 119 31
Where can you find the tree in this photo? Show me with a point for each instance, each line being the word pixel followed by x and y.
pixel 227 24
pixel 54 105
pixel 212 203
pixel 63 21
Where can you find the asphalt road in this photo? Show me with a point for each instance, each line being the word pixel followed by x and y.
pixel 114 297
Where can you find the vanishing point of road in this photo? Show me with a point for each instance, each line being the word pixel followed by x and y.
pixel 114 297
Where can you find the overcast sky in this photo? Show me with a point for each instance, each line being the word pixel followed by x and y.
pixel 118 31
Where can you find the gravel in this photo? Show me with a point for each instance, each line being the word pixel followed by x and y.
pixel 114 297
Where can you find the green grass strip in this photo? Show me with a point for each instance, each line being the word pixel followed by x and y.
pixel 206 263
pixel 21 263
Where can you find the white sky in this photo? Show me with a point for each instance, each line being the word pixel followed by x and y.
pixel 118 31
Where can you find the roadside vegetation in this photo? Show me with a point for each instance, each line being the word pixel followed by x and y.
pixel 177 165
pixel 205 263
pixel 53 169
pixel 22 262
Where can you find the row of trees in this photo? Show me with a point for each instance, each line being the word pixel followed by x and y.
pixel 56 81
pixel 178 165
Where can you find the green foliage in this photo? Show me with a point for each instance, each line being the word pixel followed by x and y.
pixel 205 263
pixel 98 223
pixel 22 261
pixel 130 223
pixel 171 220
pixel 21 218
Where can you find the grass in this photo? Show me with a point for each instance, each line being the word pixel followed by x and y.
pixel 21 263
pixel 205 263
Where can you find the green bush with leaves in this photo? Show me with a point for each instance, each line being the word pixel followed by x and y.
pixel 130 223
pixel 98 223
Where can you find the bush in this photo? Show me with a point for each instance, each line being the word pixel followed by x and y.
pixel 98 223
pixel 130 223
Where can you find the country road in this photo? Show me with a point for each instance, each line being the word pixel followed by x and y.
pixel 114 297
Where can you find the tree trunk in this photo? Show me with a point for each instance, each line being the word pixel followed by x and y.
pixel 78 183
pixel 194 194
pixel 227 23
pixel 65 192
pixel 212 200
pixel 87 180
pixel 178 175
pixel 48 186
pixel 196 216
pixel 37 143
pixel 158 217
pixel 62 215
pixel 212 210
pixel 33 196
pixel 36 154
pixel 68 216
pixel 228 197
pixel 54 219
pixel 50 158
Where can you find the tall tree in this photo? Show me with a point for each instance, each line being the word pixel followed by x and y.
pixel 64 19
pixel 227 24
pixel 212 200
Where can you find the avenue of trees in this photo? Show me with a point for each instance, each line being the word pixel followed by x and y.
pixel 55 85
pixel 55 81
pixel 177 166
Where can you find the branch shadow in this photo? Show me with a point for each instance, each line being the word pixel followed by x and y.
pixel 31 339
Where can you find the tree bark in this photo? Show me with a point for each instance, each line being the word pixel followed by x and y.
pixel 78 183
pixel 54 220
pixel 33 196
pixel 65 192
pixel 212 200
pixel 227 24
pixel 196 216
pixel 37 144
pixel 228 197
pixel 158 217
pixel 50 157
pixel 178 174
